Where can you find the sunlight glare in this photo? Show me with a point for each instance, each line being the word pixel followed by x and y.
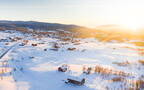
pixel 134 24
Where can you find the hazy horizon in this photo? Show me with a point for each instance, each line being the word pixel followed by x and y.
pixel 90 13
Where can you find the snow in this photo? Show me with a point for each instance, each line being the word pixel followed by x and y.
pixel 32 68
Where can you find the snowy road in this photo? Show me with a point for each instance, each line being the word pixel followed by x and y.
pixel 1 56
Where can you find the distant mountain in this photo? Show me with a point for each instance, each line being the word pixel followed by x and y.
pixel 112 27
pixel 35 25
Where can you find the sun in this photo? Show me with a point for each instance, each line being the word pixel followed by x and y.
pixel 133 25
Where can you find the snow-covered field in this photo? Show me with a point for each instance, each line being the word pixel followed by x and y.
pixel 27 67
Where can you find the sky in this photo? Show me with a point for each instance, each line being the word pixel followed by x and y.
pixel 89 13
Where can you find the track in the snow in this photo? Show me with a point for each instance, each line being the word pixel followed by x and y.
pixel 7 51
